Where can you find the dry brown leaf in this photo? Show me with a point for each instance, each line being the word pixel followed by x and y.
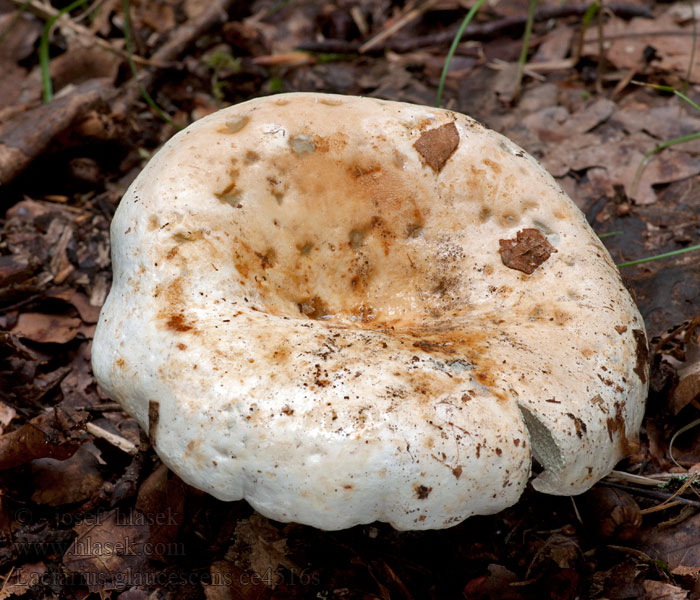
pixel 555 124
pixel 18 581
pixel 679 545
pixel 161 499
pixel 7 413
pixel 266 549
pixel 17 44
pixel 229 582
pixel 56 433
pixel 109 550
pixel 496 584
pixel 42 328
pixel 554 46
pixel 621 158
pixel 628 39
pixel 658 590
pixel 158 16
pixel 57 482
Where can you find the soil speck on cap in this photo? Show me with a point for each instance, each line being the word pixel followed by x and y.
pixel 579 424
pixel 314 308
pixel 437 145
pixel 642 354
pixel 526 252
pixel 422 491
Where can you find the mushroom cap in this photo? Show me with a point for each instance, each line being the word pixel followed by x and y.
pixel 347 309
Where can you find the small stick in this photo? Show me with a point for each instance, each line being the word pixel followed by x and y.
pixel 656 495
pixel 411 15
pixel 480 31
pixel 116 440
pixel 46 11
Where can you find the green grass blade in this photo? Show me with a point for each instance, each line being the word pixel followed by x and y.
pixel 602 236
pixel 668 88
pixel 591 12
pixel 46 85
pixel 525 47
pixel 659 256
pixel 453 49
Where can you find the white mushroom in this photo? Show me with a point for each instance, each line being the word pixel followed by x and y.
pixel 346 309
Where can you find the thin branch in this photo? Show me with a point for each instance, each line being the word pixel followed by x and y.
pixel 384 35
pixel 45 12
pixel 478 31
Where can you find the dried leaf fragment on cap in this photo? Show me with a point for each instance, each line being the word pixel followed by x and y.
pixel 437 145
pixel 526 252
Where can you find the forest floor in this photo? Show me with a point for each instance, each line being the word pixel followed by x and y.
pixel 76 471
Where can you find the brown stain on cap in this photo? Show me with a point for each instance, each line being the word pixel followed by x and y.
pixel 437 145
pixel 642 354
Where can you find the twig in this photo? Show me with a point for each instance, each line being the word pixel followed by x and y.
pixel 617 476
pixel 638 553
pixel 116 440
pixel 654 494
pixel 524 49
pixel 45 11
pixel 6 579
pixel 673 500
pixel 476 30
pixel 411 15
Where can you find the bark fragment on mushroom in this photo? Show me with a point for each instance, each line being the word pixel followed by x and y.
pixel 346 309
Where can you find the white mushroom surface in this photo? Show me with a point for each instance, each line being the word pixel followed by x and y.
pixel 347 309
